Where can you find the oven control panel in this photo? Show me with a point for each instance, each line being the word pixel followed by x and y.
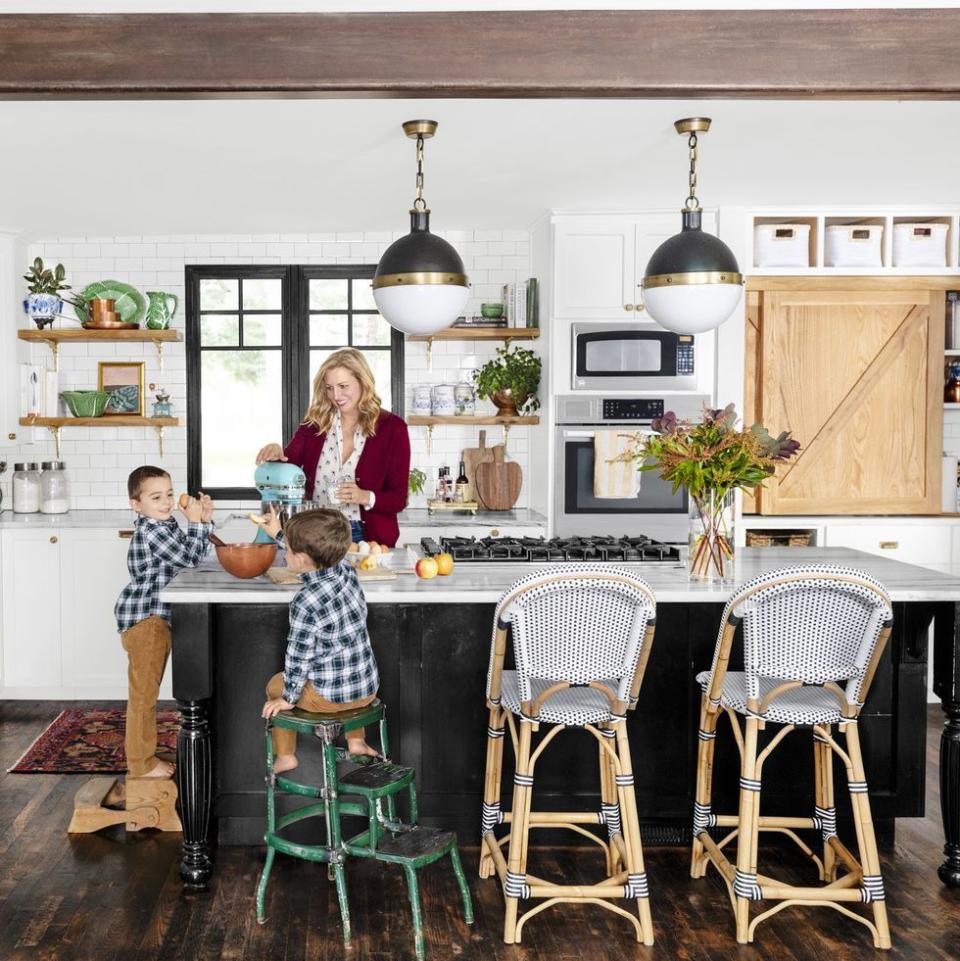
pixel 629 408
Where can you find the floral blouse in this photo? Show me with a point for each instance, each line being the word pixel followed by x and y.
pixel 331 473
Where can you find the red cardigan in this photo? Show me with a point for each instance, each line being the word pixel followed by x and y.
pixel 383 468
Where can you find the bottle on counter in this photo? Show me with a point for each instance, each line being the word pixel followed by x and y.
pixel 443 483
pixel 26 489
pixel 462 484
pixel 54 488
pixel 951 391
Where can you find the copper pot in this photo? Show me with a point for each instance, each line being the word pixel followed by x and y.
pixel 507 402
pixel 100 306
pixel 246 560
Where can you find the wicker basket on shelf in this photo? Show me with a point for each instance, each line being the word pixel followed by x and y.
pixel 779 538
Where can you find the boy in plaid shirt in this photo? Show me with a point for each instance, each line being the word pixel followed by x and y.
pixel 329 665
pixel 159 550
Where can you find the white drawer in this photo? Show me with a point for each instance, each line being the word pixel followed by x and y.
pixel 924 544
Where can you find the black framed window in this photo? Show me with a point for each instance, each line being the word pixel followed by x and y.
pixel 256 336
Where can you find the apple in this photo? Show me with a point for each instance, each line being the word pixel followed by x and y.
pixel 444 564
pixel 426 567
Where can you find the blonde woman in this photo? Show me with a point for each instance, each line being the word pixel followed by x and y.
pixel 355 454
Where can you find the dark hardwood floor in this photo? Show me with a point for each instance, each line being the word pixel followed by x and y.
pixel 115 896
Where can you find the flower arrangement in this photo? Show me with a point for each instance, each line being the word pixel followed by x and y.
pixel 711 459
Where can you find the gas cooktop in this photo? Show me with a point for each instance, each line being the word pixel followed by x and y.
pixel 538 550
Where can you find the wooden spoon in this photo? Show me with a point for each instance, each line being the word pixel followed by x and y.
pixel 215 540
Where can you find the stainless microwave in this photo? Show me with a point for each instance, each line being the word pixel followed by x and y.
pixel 632 356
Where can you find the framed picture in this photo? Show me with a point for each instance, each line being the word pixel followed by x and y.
pixel 123 381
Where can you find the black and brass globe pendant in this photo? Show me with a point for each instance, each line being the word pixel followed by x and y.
pixel 692 282
pixel 420 285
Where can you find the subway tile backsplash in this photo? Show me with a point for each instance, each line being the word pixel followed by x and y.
pixel 99 459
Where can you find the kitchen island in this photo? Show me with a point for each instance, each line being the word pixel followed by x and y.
pixel 432 638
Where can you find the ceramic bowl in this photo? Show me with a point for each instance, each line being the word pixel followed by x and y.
pixel 86 403
pixel 491 310
pixel 246 560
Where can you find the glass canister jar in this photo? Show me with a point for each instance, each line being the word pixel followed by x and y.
pixel 54 489
pixel 444 404
pixel 26 489
pixel 465 399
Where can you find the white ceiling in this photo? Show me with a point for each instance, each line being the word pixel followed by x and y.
pixel 259 166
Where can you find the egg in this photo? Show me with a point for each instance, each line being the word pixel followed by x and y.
pixel 184 500
pixel 353 548
pixel 363 547
pixel 375 548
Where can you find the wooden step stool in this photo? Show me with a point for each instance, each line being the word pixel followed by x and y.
pixel 140 802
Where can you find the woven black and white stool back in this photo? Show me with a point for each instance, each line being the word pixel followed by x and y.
pixel 814 624
pixel 585 624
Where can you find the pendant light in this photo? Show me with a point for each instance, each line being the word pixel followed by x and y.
pixel 420 286
pixel 692 282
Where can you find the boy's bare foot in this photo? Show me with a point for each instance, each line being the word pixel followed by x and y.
pixel 160 769
pixel 284 762
pixel 356 745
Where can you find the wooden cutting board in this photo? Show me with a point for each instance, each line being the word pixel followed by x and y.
pixel 472 458
pixel 499 482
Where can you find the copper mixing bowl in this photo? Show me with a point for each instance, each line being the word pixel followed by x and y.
pixel 246 560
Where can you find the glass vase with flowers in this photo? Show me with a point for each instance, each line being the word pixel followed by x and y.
pixel 711 459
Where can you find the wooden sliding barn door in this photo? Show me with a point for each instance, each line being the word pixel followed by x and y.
pixel 855 371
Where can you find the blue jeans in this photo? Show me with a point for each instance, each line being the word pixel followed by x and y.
pixel 356 531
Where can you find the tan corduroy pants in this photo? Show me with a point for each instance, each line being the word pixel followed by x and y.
pixel 284 741
pixel 148 646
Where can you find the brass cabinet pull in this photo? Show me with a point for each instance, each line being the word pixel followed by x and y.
pixel 495 533
pixel 889 545
pixel 125 534
pixel 640 307
pixel 628 306
pixel 11 436
pixel 53 540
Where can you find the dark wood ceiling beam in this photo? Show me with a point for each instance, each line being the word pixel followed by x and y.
pixel 888 54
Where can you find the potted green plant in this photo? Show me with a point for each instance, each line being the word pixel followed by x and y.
pixel 510 380
pixel 44 302
pixel 711 459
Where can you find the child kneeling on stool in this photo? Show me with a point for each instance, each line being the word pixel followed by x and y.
pixel 329 665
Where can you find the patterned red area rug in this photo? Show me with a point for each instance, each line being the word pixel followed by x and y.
pixel 89 741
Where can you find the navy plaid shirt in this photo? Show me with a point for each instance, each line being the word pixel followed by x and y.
pixel 159 550
pixel 328 643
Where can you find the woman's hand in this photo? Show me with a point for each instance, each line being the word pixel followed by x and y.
pixel 274 706
pixel 272 452
pixel 206 507
pixel 349 493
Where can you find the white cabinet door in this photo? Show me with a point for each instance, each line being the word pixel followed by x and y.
pixel 923 544
pixel 93 571
pixel 594 276
pixel 31 608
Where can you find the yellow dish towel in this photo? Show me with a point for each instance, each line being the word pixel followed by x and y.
pixel 614 480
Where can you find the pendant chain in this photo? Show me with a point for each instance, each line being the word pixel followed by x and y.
pixel 693 202
pixel 420 203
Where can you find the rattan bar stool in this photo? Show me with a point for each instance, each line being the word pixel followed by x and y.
pixel 369 791
pixel 812 639
pixel 581 639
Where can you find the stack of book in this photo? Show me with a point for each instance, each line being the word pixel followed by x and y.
pixel 476 320
pixel 522 303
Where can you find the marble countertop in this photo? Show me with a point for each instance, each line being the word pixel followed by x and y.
pixel 421 517
pixel 483 582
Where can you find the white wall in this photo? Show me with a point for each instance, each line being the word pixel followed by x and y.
pixel 99 459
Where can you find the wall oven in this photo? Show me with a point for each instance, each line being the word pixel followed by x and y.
pixel 655 511
pixel 632 356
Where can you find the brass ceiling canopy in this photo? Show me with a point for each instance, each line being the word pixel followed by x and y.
pixel 423 128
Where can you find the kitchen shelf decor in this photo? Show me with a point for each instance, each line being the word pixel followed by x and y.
pixel 54 338
pixel 55 424
pixel 430 421
pixel 506 334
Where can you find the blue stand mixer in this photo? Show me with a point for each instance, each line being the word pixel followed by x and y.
pixel 282 485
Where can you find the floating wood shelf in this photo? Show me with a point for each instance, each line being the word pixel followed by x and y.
pixel 480 333
pixel 54 424
pixel 142 335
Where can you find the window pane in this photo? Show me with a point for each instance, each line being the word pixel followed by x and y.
pixel 241 409
pixel 328 294
pixel 261 330
pixel 218 293
pixel 370 330
pixel 363 295
pixel 262 293
pixel 217 331
pixel 329 330
pixel 379 361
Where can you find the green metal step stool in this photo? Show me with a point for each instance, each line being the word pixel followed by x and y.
pixel 373 787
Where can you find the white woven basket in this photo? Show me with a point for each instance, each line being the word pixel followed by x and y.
pixel 853 245
pixel 920 245
pixel 781 245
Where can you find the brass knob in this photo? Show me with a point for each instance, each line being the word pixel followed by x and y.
pixel 494 533
pixel 11 436
pixel 640 307
pixel 53 540
pixel 628 306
